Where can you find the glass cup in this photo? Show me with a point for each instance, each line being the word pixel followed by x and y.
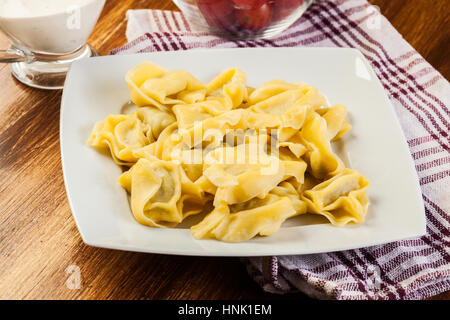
pixel 46 37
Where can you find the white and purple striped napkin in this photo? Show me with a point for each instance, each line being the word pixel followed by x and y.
pixel 409 269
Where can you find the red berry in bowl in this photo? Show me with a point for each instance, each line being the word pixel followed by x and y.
pixel 283 8
pixel 248 4
pixel 254 19
pixel 217 13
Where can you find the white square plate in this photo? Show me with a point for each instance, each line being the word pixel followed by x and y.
pixel 376 146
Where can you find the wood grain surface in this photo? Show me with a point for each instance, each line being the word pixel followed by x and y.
pixel 38 236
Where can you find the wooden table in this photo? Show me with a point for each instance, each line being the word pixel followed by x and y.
pixel 38 236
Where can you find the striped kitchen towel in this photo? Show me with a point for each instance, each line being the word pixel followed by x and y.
pixel 409 269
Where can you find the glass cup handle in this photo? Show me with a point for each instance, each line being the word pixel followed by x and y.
pixel 15 55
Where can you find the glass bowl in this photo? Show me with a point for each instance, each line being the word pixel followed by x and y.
pixel 243 19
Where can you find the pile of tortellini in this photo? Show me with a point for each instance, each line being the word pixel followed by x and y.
pixel 246 158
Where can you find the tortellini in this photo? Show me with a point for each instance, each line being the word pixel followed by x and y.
pixel 341 199
pixel 155 188
pixel 245 158
pixel 125 134
pixel 160 194
pixel 243 221
pixel 241 180
pixel 324 163
pixel 150 84
pixel 228 88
